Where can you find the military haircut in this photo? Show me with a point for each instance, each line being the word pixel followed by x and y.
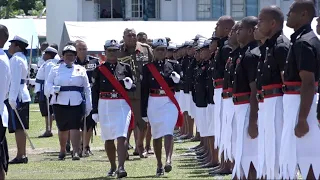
pixel 127 30
pixel 307 6
pixel 55 46
pixel 275 13
pixel 4 33
pixel 249 22
pixel 45 44
pixel 227 21
pixel 77 42
pixel 142 34
pixel 72 43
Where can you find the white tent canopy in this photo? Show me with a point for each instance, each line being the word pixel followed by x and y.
pixel 96 33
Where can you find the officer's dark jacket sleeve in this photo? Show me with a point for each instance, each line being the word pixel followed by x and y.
pixel 305 56
pixel 95 90
pixel 281 53
pixel 129 74
pixel 250 63
pixel 145 88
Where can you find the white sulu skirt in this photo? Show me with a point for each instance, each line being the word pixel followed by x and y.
pixel 193 107
pixel 226 128
pixel 200 119
pixel 299 151
pixel 217 116
pixel 271 117
pixel 247 148
pixel 209 123
pixel 187 102
pixel 114 118
pixel 162 115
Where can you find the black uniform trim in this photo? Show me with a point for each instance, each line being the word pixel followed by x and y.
pixel 230 68
pixel 221 58
pixel 101 83
pixel 90 63
pixel 201 89
pixel 187 68
pixel 149 82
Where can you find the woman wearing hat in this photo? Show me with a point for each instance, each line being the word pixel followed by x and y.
pixel 19 96
pixel 111 105
pixel 159 105
pixel 71 98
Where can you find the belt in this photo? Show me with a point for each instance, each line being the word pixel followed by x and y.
pixel 227 93
pixel 241 98
pixel 295 87
pixel 218 83
pixel 157 92
pixel 22 81
pixel 71 88
pixel 272 90
pixel 110 95
pixel 39 81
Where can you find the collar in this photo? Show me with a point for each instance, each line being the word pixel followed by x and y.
pixel 138 47
pixel 272 41
pixel 1 51
pixel 111 64
pixel 300 31
pixel 69 67
pixel 222 41
pixel 78 61
pixel 235 51
pixel 18 54
pixel 251 45
pixel 160 61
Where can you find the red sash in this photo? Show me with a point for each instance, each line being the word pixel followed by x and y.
pixel 116 84
pixel 168 91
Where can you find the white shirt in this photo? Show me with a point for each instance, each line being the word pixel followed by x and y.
pixel 43 72
pixel 41 61
pixel 63 76
pixel 19 71
pixel 5 83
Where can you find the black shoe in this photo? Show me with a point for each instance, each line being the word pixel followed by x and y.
pixel 46 135
pixel 111 173
pixel 62 156
pixel 87 152
pixel 75 157
pixel 121 173
pixel 23 160
pixel 167 167
pixel 160 172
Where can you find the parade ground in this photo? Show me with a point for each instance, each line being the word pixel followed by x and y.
pixel 44 164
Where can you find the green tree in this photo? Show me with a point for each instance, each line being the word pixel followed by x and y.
pixel 25 5
pixel 8 9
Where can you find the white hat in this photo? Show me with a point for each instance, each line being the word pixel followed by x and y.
pixel 206 43
pixel 198 36
pixel 161 42
pixel 112 44
pixel 172 46
pixel 69 48
pixel 20 39
pixel 51 49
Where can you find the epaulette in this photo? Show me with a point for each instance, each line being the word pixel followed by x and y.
pixel 92 57
pixel 123 63
pixel 125 59
pixel 145 44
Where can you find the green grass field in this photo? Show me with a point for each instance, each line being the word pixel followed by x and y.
pixel 43 163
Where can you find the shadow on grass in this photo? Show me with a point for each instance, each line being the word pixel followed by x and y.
pixel 149 177
pixel 200 175
pixel 102 177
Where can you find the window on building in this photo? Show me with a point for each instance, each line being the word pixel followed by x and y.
pixel 242 8
pixel 210 9
pixel 144 9
pixel 111 9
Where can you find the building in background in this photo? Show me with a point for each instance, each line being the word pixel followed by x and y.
pixel 58 11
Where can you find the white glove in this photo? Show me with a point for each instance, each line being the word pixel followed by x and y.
pixel 128 82
pixel 55 90
pixel 95 117
pixel 13 104
pixel 145 119
pixel 175 77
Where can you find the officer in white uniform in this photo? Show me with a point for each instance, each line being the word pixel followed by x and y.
pixel 71 98
pixel 19 96
pixel 5 83
pixel 42 75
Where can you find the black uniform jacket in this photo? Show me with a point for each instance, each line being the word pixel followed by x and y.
pixel 229 70
pixel 185 79
pixel 246 69
pixel 200 84
pixel 90 63
pixel 148 82
pixel 101 83
pixel 221 57
pixel 177 65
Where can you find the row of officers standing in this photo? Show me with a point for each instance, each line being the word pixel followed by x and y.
pixel 250 90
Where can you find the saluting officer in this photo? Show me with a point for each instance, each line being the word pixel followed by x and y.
pixel 90 63
pixel 136 54
pixel 19 96
pixel 271 80
pixel 5 83
pixel 300 132
pixel 42 76
pixel 246 104
pixel 111 105
pixel 159 106
pixel 69 87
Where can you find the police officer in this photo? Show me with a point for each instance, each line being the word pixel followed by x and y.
pixel 159 106
pixel 5 83
pixel 110 106
pixel 42 75
pixel 271 80
pixel 246 104
pixel 228 126
pixel 301 74
pixel 90 63
pixel 71 98
pixel 19 96
pixel 136 54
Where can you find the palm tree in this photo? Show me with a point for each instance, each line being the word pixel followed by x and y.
pixel 7 8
